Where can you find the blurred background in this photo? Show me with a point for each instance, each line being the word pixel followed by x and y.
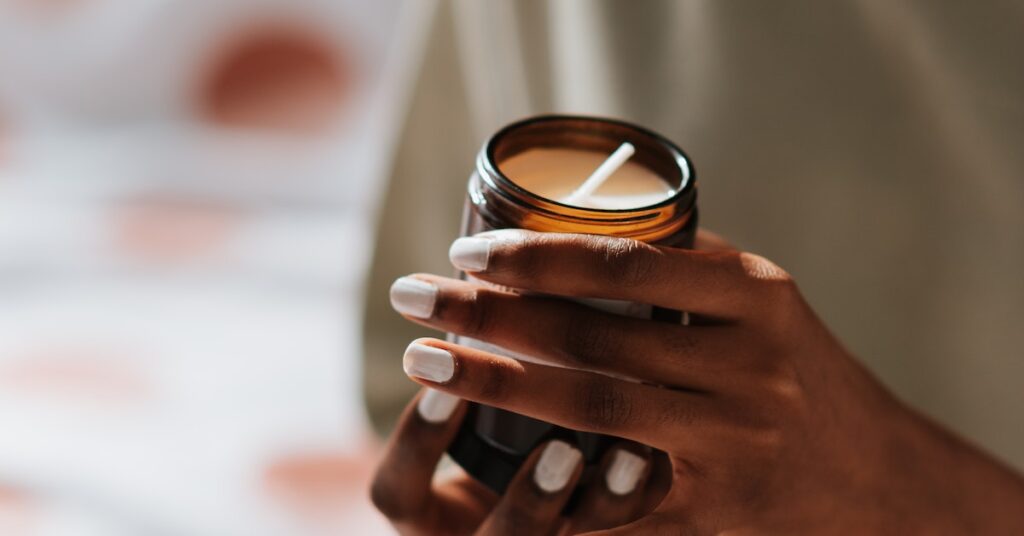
pixel 203 202
pixel 187 196
pixel 872 148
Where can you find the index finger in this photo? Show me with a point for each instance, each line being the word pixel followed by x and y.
pixel 725 284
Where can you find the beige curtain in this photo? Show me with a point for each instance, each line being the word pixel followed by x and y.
pixel 871 147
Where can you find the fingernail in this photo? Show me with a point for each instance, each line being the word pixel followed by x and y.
pixel 413 297
pixel 470 254
pixel 428 363
pixel 624 472
pixel 436 406
pixel 556 466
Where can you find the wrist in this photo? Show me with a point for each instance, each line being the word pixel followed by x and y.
pixel 941 484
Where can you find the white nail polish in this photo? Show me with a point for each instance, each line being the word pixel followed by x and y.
pixel 428 363
pixel 624 472
pixel 436 406
pixel 413 297
pixel 556 466
pixel 470 253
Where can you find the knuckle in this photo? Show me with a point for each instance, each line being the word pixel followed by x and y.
pixel 680 341
pixel 775 287
pixel 761 269
pixel 763 444
pixel 677 414
pixel 788 394
pixel 602 406
pixel 526 260
pixel 767 440
pixel 497 384
pixel 780 393
pixel 772 441
pixel 589 340
pixel 627 262
pixel 479 313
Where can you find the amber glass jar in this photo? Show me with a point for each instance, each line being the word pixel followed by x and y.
pixel 493 443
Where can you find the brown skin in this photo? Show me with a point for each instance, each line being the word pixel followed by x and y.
pixel 770 425
pixel 404 491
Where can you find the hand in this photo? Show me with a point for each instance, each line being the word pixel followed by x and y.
pixel 769 424
pixel 403 488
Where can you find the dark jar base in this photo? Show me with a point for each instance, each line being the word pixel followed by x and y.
pixel 495 467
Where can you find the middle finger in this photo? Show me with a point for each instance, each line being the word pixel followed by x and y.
pixel 568 334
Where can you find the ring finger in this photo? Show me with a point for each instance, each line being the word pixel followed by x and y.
pixel 686 422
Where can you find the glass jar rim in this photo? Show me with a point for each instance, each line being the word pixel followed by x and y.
pixel 684 193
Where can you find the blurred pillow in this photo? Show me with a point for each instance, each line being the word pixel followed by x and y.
pixel 276 78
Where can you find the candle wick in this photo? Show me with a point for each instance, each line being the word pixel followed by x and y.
pixel 601 174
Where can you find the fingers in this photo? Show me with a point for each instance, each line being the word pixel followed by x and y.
pixel 536 496
pixel 401 489
pixel 724 284
pixel 618 497
pixel 574 399
pixel 573 335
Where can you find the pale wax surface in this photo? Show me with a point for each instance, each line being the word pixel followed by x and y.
pixel 554 173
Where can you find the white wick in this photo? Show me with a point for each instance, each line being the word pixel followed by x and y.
pixel 601 174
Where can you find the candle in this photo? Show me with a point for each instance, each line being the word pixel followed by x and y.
pixel 649 189
pixel 555 173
